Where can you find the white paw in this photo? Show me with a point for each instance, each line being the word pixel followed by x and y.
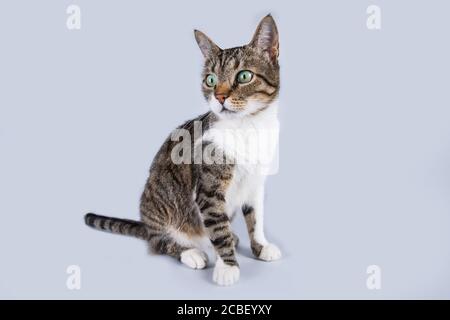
pixel 225 275
pixel 270 252
pixel 194 258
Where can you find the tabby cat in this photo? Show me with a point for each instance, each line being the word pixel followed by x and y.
pixel 188 206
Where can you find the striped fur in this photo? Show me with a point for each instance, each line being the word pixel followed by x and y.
pixel 211 192
pixel 250 221
pixel 114 225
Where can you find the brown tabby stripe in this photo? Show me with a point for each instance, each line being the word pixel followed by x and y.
pixel 266 80
pixel 250 220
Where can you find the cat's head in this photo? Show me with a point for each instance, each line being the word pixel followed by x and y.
pixel 245 80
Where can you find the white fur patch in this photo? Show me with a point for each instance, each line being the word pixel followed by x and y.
pixel 249 141
pixel 194 258
pixel 225 275
pixel 270 252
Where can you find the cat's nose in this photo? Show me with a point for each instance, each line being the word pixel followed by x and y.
pixel 221 97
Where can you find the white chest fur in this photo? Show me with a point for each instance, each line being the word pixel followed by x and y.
pixel 251 144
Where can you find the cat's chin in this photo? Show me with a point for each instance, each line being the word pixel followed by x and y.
pixel 224 111
pixel 226 114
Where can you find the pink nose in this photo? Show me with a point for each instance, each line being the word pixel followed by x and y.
pixel 221 97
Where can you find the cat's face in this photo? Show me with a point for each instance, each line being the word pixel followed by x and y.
pixel 241 81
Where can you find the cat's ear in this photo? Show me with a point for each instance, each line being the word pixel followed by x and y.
pixel 266 37
pixel 206 45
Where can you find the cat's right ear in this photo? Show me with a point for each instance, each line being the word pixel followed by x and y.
pixel 206 45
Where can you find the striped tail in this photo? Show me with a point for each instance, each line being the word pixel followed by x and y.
pixel 120 226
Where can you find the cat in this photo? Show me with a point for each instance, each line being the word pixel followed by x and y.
pixel 187 206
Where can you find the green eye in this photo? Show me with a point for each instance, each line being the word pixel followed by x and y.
pixel 244 76
pixel 211 80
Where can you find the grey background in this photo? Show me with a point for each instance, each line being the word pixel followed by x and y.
pixel 364 159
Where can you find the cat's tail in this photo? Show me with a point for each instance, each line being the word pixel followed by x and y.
pixel 115 225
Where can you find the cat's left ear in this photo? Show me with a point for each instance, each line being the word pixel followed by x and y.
pixel 266 37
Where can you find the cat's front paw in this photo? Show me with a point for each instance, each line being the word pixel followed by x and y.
pixel 270 252
pixel 225 275
pixel 194 258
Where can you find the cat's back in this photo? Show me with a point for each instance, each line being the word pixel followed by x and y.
pixel 172 171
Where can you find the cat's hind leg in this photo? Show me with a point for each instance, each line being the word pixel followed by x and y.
pixel 172 238
pixel 181 249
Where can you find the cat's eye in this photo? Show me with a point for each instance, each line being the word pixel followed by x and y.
pixel 244 76
pixel 211 80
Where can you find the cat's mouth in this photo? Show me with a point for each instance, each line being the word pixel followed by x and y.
pixel 226 110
